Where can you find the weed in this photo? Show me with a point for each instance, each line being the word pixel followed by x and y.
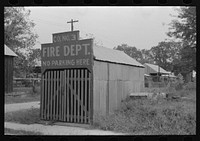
pixel 143 116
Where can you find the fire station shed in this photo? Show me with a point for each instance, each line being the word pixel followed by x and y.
pixel 81 80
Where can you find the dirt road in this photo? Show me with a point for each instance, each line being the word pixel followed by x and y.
pixel 20 106
pixel 49 129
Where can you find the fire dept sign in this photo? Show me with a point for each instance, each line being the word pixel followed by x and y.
pixel 72 54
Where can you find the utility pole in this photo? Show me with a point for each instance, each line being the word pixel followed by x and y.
pixel 72 27
pixel 159 70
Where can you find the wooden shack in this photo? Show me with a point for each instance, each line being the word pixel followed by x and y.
pixel 78 85
pixel 8 69
pixel 115 76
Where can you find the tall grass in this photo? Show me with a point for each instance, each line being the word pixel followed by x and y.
pixel 161 116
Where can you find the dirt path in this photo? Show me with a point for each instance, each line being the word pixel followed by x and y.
pixel 49 129
pixel 57 130
pixel 20 106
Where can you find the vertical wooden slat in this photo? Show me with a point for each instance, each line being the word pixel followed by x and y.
pixel 65 101
pixel 42 98
pixel 67 95
pixel 75 85
pixel 54 104
pixel 60 96
pixel 57 100
pixel 85 94
pixel 48 103
pixel 82 72
pixel 78 112
pixel 63 90
pixel 45 97
pixel 71 94
pixel 51 106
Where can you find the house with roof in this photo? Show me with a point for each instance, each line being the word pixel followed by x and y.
pixel 155 73
pixel 151 69
pixel 8 69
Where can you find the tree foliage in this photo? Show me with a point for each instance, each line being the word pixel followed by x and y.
pixel 19 35
pixel 184 28
pixel 176 56
pixel 18 28
pixel 25 63
pixel 165 53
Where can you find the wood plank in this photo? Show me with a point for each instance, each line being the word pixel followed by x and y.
pixel 85 94
pixel 63 91
pixel 82 73
pixel 67 95
pixel 75 86
pixel 60 98
pixel 45 97
pixel 54 101
pixel 48 103
pixel 78 112
pixel 71 95
pixel 61 94
pixel 57 100
pixel 51 106
pixel 65 102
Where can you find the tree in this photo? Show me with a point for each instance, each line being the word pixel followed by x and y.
pixel 165 53
pixel 18 28
pixel 147 56
pixel 184 28
pixel 19 36
pixel 25 62
pixel 131 51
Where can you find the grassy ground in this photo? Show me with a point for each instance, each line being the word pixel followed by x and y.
pixel 29 116
pixel 154 117
pixel 8 131
pixel 139 116
pixel 28 96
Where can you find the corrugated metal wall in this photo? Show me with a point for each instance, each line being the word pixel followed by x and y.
pixel 8 74
pixel 110 91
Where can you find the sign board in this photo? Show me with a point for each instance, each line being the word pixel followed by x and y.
pixel 66 36
pixel 73 54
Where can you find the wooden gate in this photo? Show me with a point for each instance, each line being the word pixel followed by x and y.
pixel 66 95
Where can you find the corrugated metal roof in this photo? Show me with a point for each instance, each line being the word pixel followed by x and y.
pixel 8 51
pixel 111 55
pixel 155 68
pixel 115 56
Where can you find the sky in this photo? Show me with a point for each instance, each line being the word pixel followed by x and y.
pixel 142 27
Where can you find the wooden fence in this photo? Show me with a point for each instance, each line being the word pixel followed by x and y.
pixel 65 95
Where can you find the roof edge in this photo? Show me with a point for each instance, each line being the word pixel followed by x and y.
pixel 118 63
